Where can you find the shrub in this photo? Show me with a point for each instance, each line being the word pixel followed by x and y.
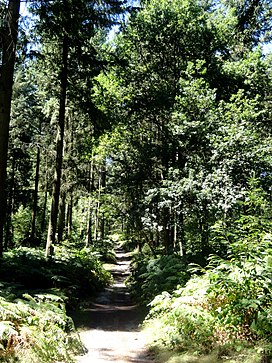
pixel 36 329
pixel 77 273
pixel 180 319
pixel 150 277
pixel 229 305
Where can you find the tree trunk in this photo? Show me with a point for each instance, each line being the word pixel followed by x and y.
pixel 103 186
pixel 90 207
pixel 52 228
pixel 35 197
pixel 69 216
pixel 43 222
pixel 96 220
pixel 181 235
pixel 89 237
pixel 61 223
pixel 8 239
pixel 166 230
pixel 97 209
pixel 9 41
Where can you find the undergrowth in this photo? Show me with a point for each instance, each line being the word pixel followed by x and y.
pixel 34 295
pixel 226 308
pixel 224 312
pixel 76 273
pixel 151 276
pixel 35 329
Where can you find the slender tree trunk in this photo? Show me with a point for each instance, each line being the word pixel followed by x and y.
pixel 69 216
pixel 97 209
pixel 89 237
pixel 35 197
pixel 96 220
pixel 181 235
pixel 9 41
pixel 166 230
pixel 102 226
pixel 90 211
pixel 52 228
pixel 175 229
pixel 43 222
pixel 103 186
pixel 8 238
pixel 61 222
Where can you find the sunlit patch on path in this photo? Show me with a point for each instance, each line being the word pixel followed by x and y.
pixel 109 326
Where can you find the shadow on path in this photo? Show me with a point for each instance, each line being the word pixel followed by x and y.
pixel 109 325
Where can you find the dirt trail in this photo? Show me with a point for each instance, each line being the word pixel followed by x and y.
pixel 109 325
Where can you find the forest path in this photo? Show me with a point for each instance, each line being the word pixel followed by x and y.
pixel 109 325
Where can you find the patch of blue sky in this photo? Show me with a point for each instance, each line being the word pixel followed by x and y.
pixel 267 48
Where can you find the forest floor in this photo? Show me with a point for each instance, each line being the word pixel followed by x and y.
pixel 109 325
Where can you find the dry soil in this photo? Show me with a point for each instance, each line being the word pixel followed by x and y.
pixel 109 325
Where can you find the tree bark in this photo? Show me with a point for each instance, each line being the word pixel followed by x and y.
pixel 69 215
pixel 8 37
pixel 44 211
pixel 52 228
pixel 89 237
pixel 35 197
pixel 8 237
pixel 61 222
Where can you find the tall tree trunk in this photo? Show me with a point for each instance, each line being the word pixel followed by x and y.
pixel 96 218
pixel 90 207
pixel 166 230
pixel 99 218
pixel 181 235
pixel 43 222
pixel 8 37
pixel 89 237
pixel 69 215
pixel 61 222
pixel 103 186
pixel 35 197
pixel 52 228
pixel 8 238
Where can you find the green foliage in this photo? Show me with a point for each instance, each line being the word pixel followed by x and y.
pixel 36 329
pixel 105 250
pixel 151 276
pixel 21 223
pixel 77 273
pixel 180 319
pixel 228 306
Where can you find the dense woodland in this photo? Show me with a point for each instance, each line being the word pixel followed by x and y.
pixel 147 124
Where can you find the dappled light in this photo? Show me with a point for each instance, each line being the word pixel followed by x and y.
pixel 136 181
pixel 109 325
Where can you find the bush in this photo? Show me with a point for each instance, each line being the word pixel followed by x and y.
pixel 105 249
pixel 150 277
pixel 227 308
pixel 180 319
pixel 35 329
pixel 77 273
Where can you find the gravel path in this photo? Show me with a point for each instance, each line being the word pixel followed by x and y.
pixel 109 325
